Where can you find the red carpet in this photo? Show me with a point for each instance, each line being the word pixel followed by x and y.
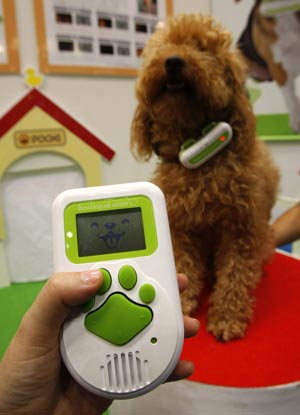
pixel 270 352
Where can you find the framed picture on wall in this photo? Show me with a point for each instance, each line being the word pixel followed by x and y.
pixel 9 51
pixel 95 36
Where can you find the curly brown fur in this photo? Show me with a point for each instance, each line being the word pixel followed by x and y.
pixel 218 213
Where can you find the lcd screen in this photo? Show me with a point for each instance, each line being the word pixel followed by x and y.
pixel 110 232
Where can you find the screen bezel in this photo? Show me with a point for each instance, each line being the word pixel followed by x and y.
pixel 109 205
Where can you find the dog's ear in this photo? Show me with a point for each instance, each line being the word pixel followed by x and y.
pixel 241 107
pixel 236 73
pixel 140 137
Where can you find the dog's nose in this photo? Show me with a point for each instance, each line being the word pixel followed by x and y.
pixel 174 64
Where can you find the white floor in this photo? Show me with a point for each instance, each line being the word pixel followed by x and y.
pixel 191 398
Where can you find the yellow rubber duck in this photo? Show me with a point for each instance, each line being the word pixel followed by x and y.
pixel 32 78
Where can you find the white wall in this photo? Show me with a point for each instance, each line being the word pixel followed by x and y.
pixel 105 105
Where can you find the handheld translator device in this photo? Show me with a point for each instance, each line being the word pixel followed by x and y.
pixel 128 338
pixel 215 137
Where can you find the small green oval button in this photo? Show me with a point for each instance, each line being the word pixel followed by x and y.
pixel 127 277
pixel 106 281
pixel 147 293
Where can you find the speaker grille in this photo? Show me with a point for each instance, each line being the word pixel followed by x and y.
pixel 124 372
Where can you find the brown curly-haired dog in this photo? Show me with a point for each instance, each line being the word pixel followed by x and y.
pixel 218 213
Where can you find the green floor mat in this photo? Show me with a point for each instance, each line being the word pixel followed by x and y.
pixel 14 302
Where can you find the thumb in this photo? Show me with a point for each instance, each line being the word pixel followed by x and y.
pixel 52 305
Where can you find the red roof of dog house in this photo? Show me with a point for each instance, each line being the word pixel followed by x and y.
pixel 36 98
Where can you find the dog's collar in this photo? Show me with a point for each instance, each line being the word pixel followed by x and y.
pixel 214 138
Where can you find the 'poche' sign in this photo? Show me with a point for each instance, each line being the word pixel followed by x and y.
pixel 40 138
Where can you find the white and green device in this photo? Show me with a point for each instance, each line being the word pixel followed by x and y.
pixel 214 138
pixel 128 338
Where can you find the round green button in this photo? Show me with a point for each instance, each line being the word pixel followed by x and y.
pixel 147 293
pixel 88 305
pixel 106 281
pixel 127 277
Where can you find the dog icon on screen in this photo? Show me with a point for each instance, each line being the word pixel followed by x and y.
pixel 110 237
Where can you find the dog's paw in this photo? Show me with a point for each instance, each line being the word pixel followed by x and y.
pixel 225 330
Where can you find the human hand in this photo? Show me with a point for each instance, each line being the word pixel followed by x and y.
pixel 33 379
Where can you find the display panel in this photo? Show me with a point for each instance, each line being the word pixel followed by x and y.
pixel 110 232
pixel 109 229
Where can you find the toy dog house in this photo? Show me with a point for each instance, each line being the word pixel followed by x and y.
pixel 43 152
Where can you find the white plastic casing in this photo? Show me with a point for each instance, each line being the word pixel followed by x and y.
pixel 120 372
pixel 207 146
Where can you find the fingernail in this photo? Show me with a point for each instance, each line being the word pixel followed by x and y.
pixel 90 277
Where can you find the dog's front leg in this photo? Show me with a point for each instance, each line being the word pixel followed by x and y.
pixel 190 261
pixel 237 271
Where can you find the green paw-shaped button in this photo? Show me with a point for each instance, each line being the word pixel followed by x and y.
pixel 119 319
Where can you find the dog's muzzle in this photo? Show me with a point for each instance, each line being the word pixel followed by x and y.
pixel 174 67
